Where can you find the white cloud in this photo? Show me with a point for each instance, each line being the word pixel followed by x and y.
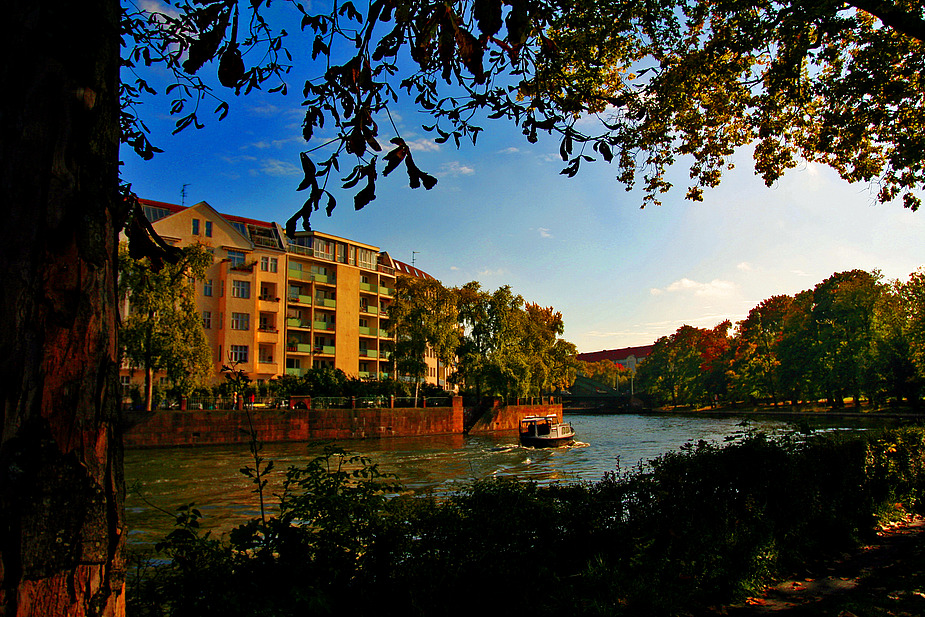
pixel 715 287
pixel 498 272
pixel 745 267
pixel 423 145
pixel 544 233
pixel 455 168
pixel 244 158
pixel 511 150
pixel 275 167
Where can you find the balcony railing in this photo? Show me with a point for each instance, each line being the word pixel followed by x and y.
pixel 386 270
pixel 295 322
pixel 372 310
pixel 301 250
pixel 323 325
pixel 326 302
pixel 386 291
pixel 300 299
pixel 325 349
pixel 244 267
pixel 270 329
pixel 268 298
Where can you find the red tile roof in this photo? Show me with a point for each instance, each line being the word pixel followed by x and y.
pixel 616 355
pixel 231 217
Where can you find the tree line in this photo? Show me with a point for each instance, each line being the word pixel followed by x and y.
pixel 495 343
pixel 852 336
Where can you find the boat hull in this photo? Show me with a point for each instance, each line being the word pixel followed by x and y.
pixel 545 442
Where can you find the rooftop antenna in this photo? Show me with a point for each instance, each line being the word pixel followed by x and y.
pixel 183 194
pixel 413 253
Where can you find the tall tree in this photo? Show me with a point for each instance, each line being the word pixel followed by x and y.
pixel 423 317
pixel 843 309
pixel 163 330
pixel 756 351
pixel 62 526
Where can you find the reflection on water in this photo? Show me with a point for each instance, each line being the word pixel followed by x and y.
pixel 161 480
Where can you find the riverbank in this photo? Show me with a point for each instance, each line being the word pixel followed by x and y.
pixel 800 411
pixel 170 428
pixel 704 526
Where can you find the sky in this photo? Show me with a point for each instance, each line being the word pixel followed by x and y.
pixel 501 214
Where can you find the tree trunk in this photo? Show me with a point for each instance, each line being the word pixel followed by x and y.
pixel 61 484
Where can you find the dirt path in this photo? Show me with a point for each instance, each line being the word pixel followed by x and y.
pixel 883 579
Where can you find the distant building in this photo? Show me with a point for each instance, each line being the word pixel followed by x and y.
pixel 279 305
pixel 629 357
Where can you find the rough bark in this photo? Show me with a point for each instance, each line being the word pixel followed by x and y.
pixel 61 485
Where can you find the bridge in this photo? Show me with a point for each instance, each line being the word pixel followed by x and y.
pixel 589 394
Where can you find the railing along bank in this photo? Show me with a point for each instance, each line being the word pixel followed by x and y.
pixel 242 402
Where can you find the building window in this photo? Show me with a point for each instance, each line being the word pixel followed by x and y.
pixel 236 258
pixel 295 363
pixel 366 259
pixel 265 355
pixel 240 289
pixel 238 353
pixel 195 227
pixel 240 321
pixel 274 264
pixel 264 263
pixel 208 229
pixel 207 287
pixel 207 320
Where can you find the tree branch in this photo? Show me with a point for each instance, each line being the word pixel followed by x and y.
pixel 891 15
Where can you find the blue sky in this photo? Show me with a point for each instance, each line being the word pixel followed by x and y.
pixel 502 215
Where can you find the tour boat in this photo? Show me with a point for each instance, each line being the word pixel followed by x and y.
pixel 545 432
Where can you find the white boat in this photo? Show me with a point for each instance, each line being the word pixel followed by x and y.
pixel 545 432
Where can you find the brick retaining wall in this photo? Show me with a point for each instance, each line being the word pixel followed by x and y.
pixel 172 428
pixel 169 428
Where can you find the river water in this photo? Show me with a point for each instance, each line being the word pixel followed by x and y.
pixel 161 480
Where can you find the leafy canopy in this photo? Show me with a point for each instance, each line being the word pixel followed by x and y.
pixel 636 83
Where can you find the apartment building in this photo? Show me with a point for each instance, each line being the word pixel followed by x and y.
pixel 277 305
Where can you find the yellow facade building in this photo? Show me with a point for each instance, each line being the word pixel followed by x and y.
pixel 276 305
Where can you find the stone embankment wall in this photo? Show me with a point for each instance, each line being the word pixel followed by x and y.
pixel 172 428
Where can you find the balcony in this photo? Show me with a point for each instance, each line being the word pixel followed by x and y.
pixel 325 349
pixel 300 299
pixel 294 371
pixel 268 298
pixel 243 267
pixel 267 329
pixel 326 302
pixel 295 322
pixel 366 331
pixel 299 348
pixel 386 270
pixel 323 325
pixel 327 279
pixel 384 334
pixel 386 291
pixel 299 275
pixel 301 250
pixel 369 353
pixel 368 287
pixel 372 310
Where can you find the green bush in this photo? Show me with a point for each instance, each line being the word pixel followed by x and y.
pixel 700 527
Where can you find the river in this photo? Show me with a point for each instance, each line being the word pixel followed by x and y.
pixel 160 480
